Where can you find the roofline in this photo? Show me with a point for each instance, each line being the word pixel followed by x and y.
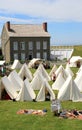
pixel 30 36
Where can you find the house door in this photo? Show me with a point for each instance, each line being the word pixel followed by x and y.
pixel 30 56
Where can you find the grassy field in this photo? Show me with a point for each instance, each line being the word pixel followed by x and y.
pixel 77 51
pixel 10 120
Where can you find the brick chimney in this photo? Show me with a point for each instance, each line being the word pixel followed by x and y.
pixel 8 25
pixel 45 26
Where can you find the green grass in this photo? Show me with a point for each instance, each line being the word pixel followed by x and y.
pixel 74 70
pixel 10 120
pixel 77 51
pixel 32 70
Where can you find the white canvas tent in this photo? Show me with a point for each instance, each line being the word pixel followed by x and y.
pixel 16 64
pixel 26 93
pixel 79 70
pixel 78 80
pixel 54 68
pixel 74 61
pixel 61 70
pixel 42 71
pixel 41 94
pixel 5 83
pixel 37 81
pixel 33 62
pixel 2 62
pixel 29 94
pixel 25 72
pixel 16 80
pixel 69 91
pixel 59 82
pixel 68 70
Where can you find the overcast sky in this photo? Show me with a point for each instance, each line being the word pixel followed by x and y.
pixel 64 17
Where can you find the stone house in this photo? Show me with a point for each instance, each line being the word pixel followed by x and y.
pixel 25 41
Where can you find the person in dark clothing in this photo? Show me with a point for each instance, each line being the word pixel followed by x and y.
pixel 47 96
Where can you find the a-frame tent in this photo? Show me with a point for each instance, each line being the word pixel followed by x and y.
pixel 79 70
pixel 29 94
pixel 69 91
pixel 54 68
pixel 78 80
pixel 16 64
pixel 25 72
pixel 41 93
pixel 68 70
pixel 5 83
pixel 37 81
pixel 26 93
pixel 16 80
pixel 61 70
pixel 59 82
pixel 42 71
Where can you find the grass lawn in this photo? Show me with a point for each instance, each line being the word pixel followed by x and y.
pixel 10 120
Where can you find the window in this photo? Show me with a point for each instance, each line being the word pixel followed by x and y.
pixel 15 45
pixel 38 45
pixel 30 45
pixel 23 56
pixel 15 56
pixel 44 44
pixel 22 45
pixel 38 54
pixel 45 55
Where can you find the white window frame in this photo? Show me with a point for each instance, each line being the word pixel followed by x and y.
pixel 38 54
pixel 15 56
pixel 44 45
pixel 15 45
pixel 22 45
pixel 22 56
pixel 38 45
pixel 30 45
pixel 45 55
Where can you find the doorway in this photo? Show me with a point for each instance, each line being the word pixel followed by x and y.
pixel 30 56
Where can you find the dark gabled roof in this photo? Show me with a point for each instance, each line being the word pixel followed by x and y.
pixel 27 30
